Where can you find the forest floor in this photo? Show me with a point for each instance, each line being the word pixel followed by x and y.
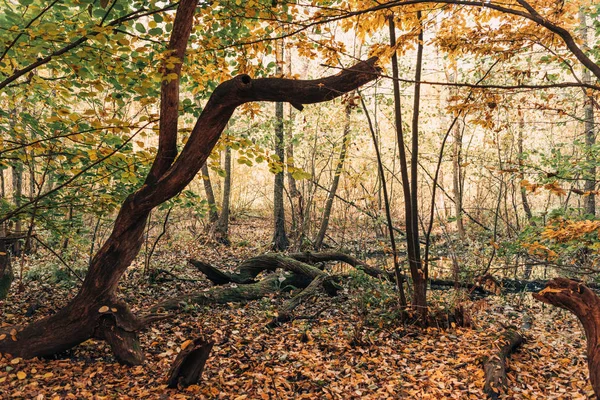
pixel 343 354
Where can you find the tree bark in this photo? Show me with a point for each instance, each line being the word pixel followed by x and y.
pixel 213 214
pixel 222 226
pixel 80 319
pixel 6 272
pixel 280 240
pixel 589 133
pixel 576 297
pixel 495 365
pixel 336 178
pixel 236 293
pixel 189 364
pixel 418 271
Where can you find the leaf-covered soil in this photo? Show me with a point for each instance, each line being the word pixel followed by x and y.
pixel 342 354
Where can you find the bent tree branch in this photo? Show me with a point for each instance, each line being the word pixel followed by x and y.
pixel 96 311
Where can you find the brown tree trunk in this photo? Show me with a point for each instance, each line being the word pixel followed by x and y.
pixel 213 214
pixel 336 178
pixel 280 240
pixel 96 311
pixel 418 271
pixel 222 226
pixel 574 296
pixel 6 272
pixel 590 134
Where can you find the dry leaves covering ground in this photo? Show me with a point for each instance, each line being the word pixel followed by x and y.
pixel 337 356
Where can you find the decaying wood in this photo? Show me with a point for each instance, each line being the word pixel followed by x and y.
pixel 576 297
pixel 236 293
pixel 169 175
pixel 189 364
pixel 296 262
pixel 495 365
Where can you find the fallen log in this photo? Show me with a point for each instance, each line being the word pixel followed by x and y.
pixel 489 286
pixel 578 298
pixel 297 263
pixel 494 366
pixel 189 364
pixel 247 271
pixel 236 293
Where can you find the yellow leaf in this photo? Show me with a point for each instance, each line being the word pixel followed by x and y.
pixel 21 375
pixel 15 360
pixel 103 309
pixel 186 344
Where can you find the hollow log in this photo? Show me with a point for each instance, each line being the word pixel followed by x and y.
pixel 576 297
pixel 495 365
pixel 189 364
pixel 169 174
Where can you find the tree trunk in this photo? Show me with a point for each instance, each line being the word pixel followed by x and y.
pixel 590 135
pixel 336 178
pixel 6 272
pixel 17 184
pixel 418 271
pixel 280 240
pixel 524 199
pixel 222 226
pixel 213 214
pixel 574 296
pixel 96 307
pixel 295 195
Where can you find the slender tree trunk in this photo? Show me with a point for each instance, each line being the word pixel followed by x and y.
pixel 96 311
pixel 524 199
pixel 590 135
pixel 295 195
pixel 456 173
pixel 336 178
pixel 398 274
pixel 410 190
pixel 280 240
pixel 222 227
pixel 213 214
pixel 17 184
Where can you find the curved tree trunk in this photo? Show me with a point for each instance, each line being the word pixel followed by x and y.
pixel 574 296
pixel 96 311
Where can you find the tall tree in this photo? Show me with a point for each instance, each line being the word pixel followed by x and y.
pixel 213 213
pixel 222 226
pixel 418 271
pixel 589 129
pixel 96 311
pixel 280 239
pixel 339 167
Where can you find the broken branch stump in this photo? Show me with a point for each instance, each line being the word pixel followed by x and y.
pixel 189 364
